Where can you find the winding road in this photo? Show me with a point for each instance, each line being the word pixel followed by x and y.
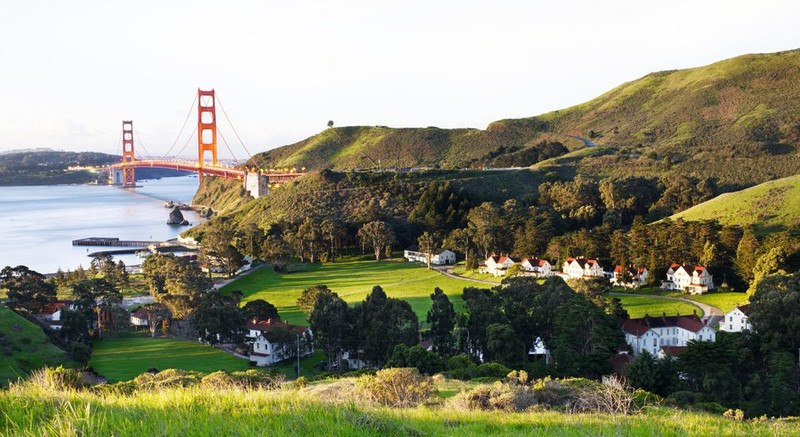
pixel 710 314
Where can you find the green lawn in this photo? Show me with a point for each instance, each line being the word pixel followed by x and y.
pixel 461 270
pixel 723 301
pixel 121 359
pixel 352 281
pixel 638 306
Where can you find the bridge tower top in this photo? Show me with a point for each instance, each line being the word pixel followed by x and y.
pixel 128 172
pixel 206 128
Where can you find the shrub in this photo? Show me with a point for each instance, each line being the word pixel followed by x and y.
pixel 395 387
pixel 167 378
pixel 498 396
pixel 493 370
pixel 57 380
pixel 612 397
pixel 251 379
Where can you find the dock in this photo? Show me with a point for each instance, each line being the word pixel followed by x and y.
pixel 114 242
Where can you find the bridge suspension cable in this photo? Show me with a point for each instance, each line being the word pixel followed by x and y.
pixel 250 155
pixel 188 114
pixel 141 144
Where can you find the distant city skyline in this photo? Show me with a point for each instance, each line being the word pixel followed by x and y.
pixel 72 71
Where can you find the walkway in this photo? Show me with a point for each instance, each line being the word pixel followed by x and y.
pixel 710 313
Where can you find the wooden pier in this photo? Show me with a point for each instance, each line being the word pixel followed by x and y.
pixel 114 242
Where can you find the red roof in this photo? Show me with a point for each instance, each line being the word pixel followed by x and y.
pixel 141 313
pixel 582 261
pixel 673 351
pixel 638 327
pixel 535 261
pixel 267 326
pixel 744 308
pixel 53 307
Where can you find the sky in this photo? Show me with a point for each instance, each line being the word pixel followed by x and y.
pixel 71 71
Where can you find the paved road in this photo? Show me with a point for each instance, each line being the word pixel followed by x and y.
pixel 709 312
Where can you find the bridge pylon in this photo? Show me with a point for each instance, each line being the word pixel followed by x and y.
pixel 128 172
pixel 206 128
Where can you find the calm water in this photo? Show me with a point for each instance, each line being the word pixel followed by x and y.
pixel 38 224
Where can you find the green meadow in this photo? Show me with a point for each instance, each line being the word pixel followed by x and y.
pixel 639 306
pixel 24 347
pixel 122 359
pixel 352 281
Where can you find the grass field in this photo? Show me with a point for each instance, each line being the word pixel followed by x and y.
pixel 352 281
pixel 24 347
pixel 639 306
pixel 723 301
pixel 122 359
pixel 461 270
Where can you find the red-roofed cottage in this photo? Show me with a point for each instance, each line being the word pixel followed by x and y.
pixel 275 341
pixel 652 333
pixel 580 267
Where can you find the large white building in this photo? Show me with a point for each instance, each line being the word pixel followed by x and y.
pixel 438 256
pixel 580 267
pixel 540 268
pixel 498 265
pixel 736 320
pixel 654 333
pixel 274 341
pixel 688 278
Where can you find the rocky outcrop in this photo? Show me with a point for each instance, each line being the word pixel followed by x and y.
pixel 176 218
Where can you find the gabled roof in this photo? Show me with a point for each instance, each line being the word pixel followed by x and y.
pixel 268 326
pixel 53 307
pixel 141 313
pixel 745 309
pixel 688 268
pixel 413 248
pixel 583 261
pixel 673 351
pixel 535 261
pixel 634 271
pixel 640 326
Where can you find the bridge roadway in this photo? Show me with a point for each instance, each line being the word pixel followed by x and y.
pixel 224 172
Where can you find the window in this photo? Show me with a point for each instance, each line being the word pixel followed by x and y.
pixel 701 336
pixel 655 342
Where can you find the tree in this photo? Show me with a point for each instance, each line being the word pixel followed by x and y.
pixel 746 255
pixel 427 244
pixel 218 319
pixel 460 240
pixel 27 289
pixel 377 235
pixel 275 250
pixel 483 309
pixel 218 245
pixel 332 231
pixel 330 321
pixel 309 233
pixel 96 300
pixel 157 314
pixel 441 318
pixel 770 263
pixel 175 282
pixel 485 226
pixel 261 310
pixel 308 297
pixel 503 345
pixel 384 323
pixel 775 311
pixel 330 123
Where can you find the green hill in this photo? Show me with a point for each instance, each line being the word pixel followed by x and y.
pixel 24 347
pixel 734 120
pixel 771 206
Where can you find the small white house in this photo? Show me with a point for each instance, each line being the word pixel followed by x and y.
pixel 736 320
pixel 438 257
pixel 630 277
pixel 497 265
pixel 275 341
pixel 688 278
pixel 51 313
pixel 653 333
pixel 139 318
pixel 540 268
pixel 580 267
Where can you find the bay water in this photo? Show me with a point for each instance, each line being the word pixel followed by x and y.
pixel 38 223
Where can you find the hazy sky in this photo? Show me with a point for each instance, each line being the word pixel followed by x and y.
pixel 73 70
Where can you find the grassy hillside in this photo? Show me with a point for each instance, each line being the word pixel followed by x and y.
pixel 24 347
pixel 771 206
pixel 200 411
pixel 734 120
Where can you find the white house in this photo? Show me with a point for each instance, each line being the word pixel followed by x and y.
pixel 630 277
pixel 438 257
pixel 537 267
pixel 736 320
pixel 581 267
pixel 51 313
pixel 275 341
pixel 497 265
pixel 688 278
pixel 653 333
pixel 139 318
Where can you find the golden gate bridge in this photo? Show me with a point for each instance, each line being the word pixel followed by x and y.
pixel 256 180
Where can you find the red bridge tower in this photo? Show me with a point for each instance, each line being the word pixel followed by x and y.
pixel 206 128
pixel 128 172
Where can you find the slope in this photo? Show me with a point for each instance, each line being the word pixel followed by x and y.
pixel 771 206
pixel 24 347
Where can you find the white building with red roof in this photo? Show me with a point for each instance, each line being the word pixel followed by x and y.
pixel 689 278
pixel 654 333
pixel 540 268
pixel 580 267
pixel 275 341
pixel 498 265
pixel 630 277
pixel 736 320
pixel 51 313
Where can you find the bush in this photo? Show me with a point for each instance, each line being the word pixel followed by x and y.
pixel 59 379
pixel 395 387
pixel 252 379
pixel 493 370
pixel 167 378
pixel 498 396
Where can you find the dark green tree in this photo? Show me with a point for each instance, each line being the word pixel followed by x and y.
pixel 441 318
pixel 27 289
pixel 261 310
pixel 330 320
pixel 503 345
pixel 218 319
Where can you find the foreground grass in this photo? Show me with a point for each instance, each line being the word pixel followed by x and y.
pixel 122 359
pixel 201 412
pixel 352 280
